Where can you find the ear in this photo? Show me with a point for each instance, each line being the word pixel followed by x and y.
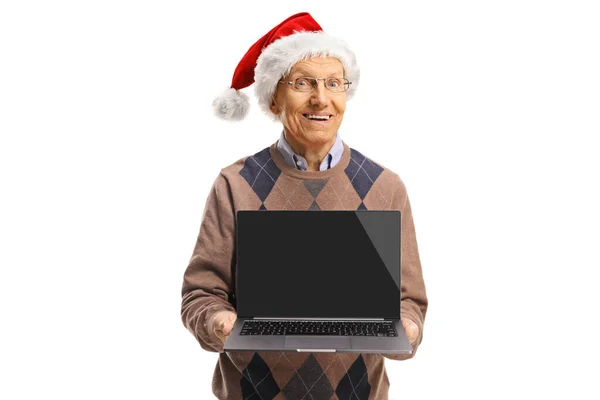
pixel 274 108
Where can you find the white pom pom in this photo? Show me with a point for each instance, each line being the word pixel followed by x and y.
pixel 231 105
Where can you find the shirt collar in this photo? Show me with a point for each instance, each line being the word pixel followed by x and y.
pixel 300 163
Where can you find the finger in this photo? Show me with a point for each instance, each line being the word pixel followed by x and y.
pixel 219 325
pixel 221 337
pixel 223 326
pixel 231 320
pixel 412 338
pixel 227 328
pixel 413 333
pixel 412 330
pixel 219 334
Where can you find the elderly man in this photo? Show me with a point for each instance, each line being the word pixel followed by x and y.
pixel 303 78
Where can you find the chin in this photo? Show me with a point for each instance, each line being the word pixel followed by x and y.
pixel 321 136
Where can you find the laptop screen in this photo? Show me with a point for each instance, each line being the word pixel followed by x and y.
pixel 318 264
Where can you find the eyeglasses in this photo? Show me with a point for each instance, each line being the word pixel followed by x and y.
pixel 307 84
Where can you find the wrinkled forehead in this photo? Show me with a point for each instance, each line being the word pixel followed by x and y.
pixel 318 67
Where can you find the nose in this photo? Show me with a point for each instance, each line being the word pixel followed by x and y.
pixel 319 95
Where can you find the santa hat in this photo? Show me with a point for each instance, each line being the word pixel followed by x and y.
pixel 269 59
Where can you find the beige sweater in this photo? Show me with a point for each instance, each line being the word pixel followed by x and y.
pixel 266 181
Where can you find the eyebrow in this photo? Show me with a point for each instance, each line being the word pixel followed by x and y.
pixel 303 72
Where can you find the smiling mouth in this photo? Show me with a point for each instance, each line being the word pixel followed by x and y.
pixel 318 118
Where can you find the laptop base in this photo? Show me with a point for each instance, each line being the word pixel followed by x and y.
pixel 317 343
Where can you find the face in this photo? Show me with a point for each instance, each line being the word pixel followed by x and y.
pixel 294 107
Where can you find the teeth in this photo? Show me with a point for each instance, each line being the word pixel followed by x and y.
pixel 321 117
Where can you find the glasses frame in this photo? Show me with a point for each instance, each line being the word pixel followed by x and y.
pixel 346 84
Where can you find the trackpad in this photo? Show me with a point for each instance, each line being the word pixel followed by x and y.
pixel 317 342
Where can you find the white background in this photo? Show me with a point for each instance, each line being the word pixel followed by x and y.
pixel 489 111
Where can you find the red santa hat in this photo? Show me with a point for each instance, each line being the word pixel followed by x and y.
pixel 269 59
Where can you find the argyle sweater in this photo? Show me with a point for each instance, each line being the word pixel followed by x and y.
pixel 265 181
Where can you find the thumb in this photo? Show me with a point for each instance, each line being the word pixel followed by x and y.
pixel 228 325
pixel 412 330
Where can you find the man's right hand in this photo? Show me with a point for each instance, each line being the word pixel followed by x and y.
pixel 223 324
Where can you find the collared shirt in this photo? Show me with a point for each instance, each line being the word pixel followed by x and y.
pixel 299 162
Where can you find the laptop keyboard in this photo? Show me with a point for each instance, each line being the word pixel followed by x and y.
pixel 327 328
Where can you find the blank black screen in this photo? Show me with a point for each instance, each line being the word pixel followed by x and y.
pixel 318 264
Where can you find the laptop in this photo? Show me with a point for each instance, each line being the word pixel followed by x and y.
pixel 318 281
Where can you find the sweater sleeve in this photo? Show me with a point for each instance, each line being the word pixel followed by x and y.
pixel 207 287
pixel 413 293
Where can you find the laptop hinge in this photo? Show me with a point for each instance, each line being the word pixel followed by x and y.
pixel 322 319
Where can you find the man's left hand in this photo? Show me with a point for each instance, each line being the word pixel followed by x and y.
pixel 412 330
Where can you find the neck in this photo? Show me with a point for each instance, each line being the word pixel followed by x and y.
pixel 314 153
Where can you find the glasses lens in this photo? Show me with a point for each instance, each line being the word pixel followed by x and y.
pixel 304 84
pixel 336 84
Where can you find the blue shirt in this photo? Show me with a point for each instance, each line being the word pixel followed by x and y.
pixel 299 162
